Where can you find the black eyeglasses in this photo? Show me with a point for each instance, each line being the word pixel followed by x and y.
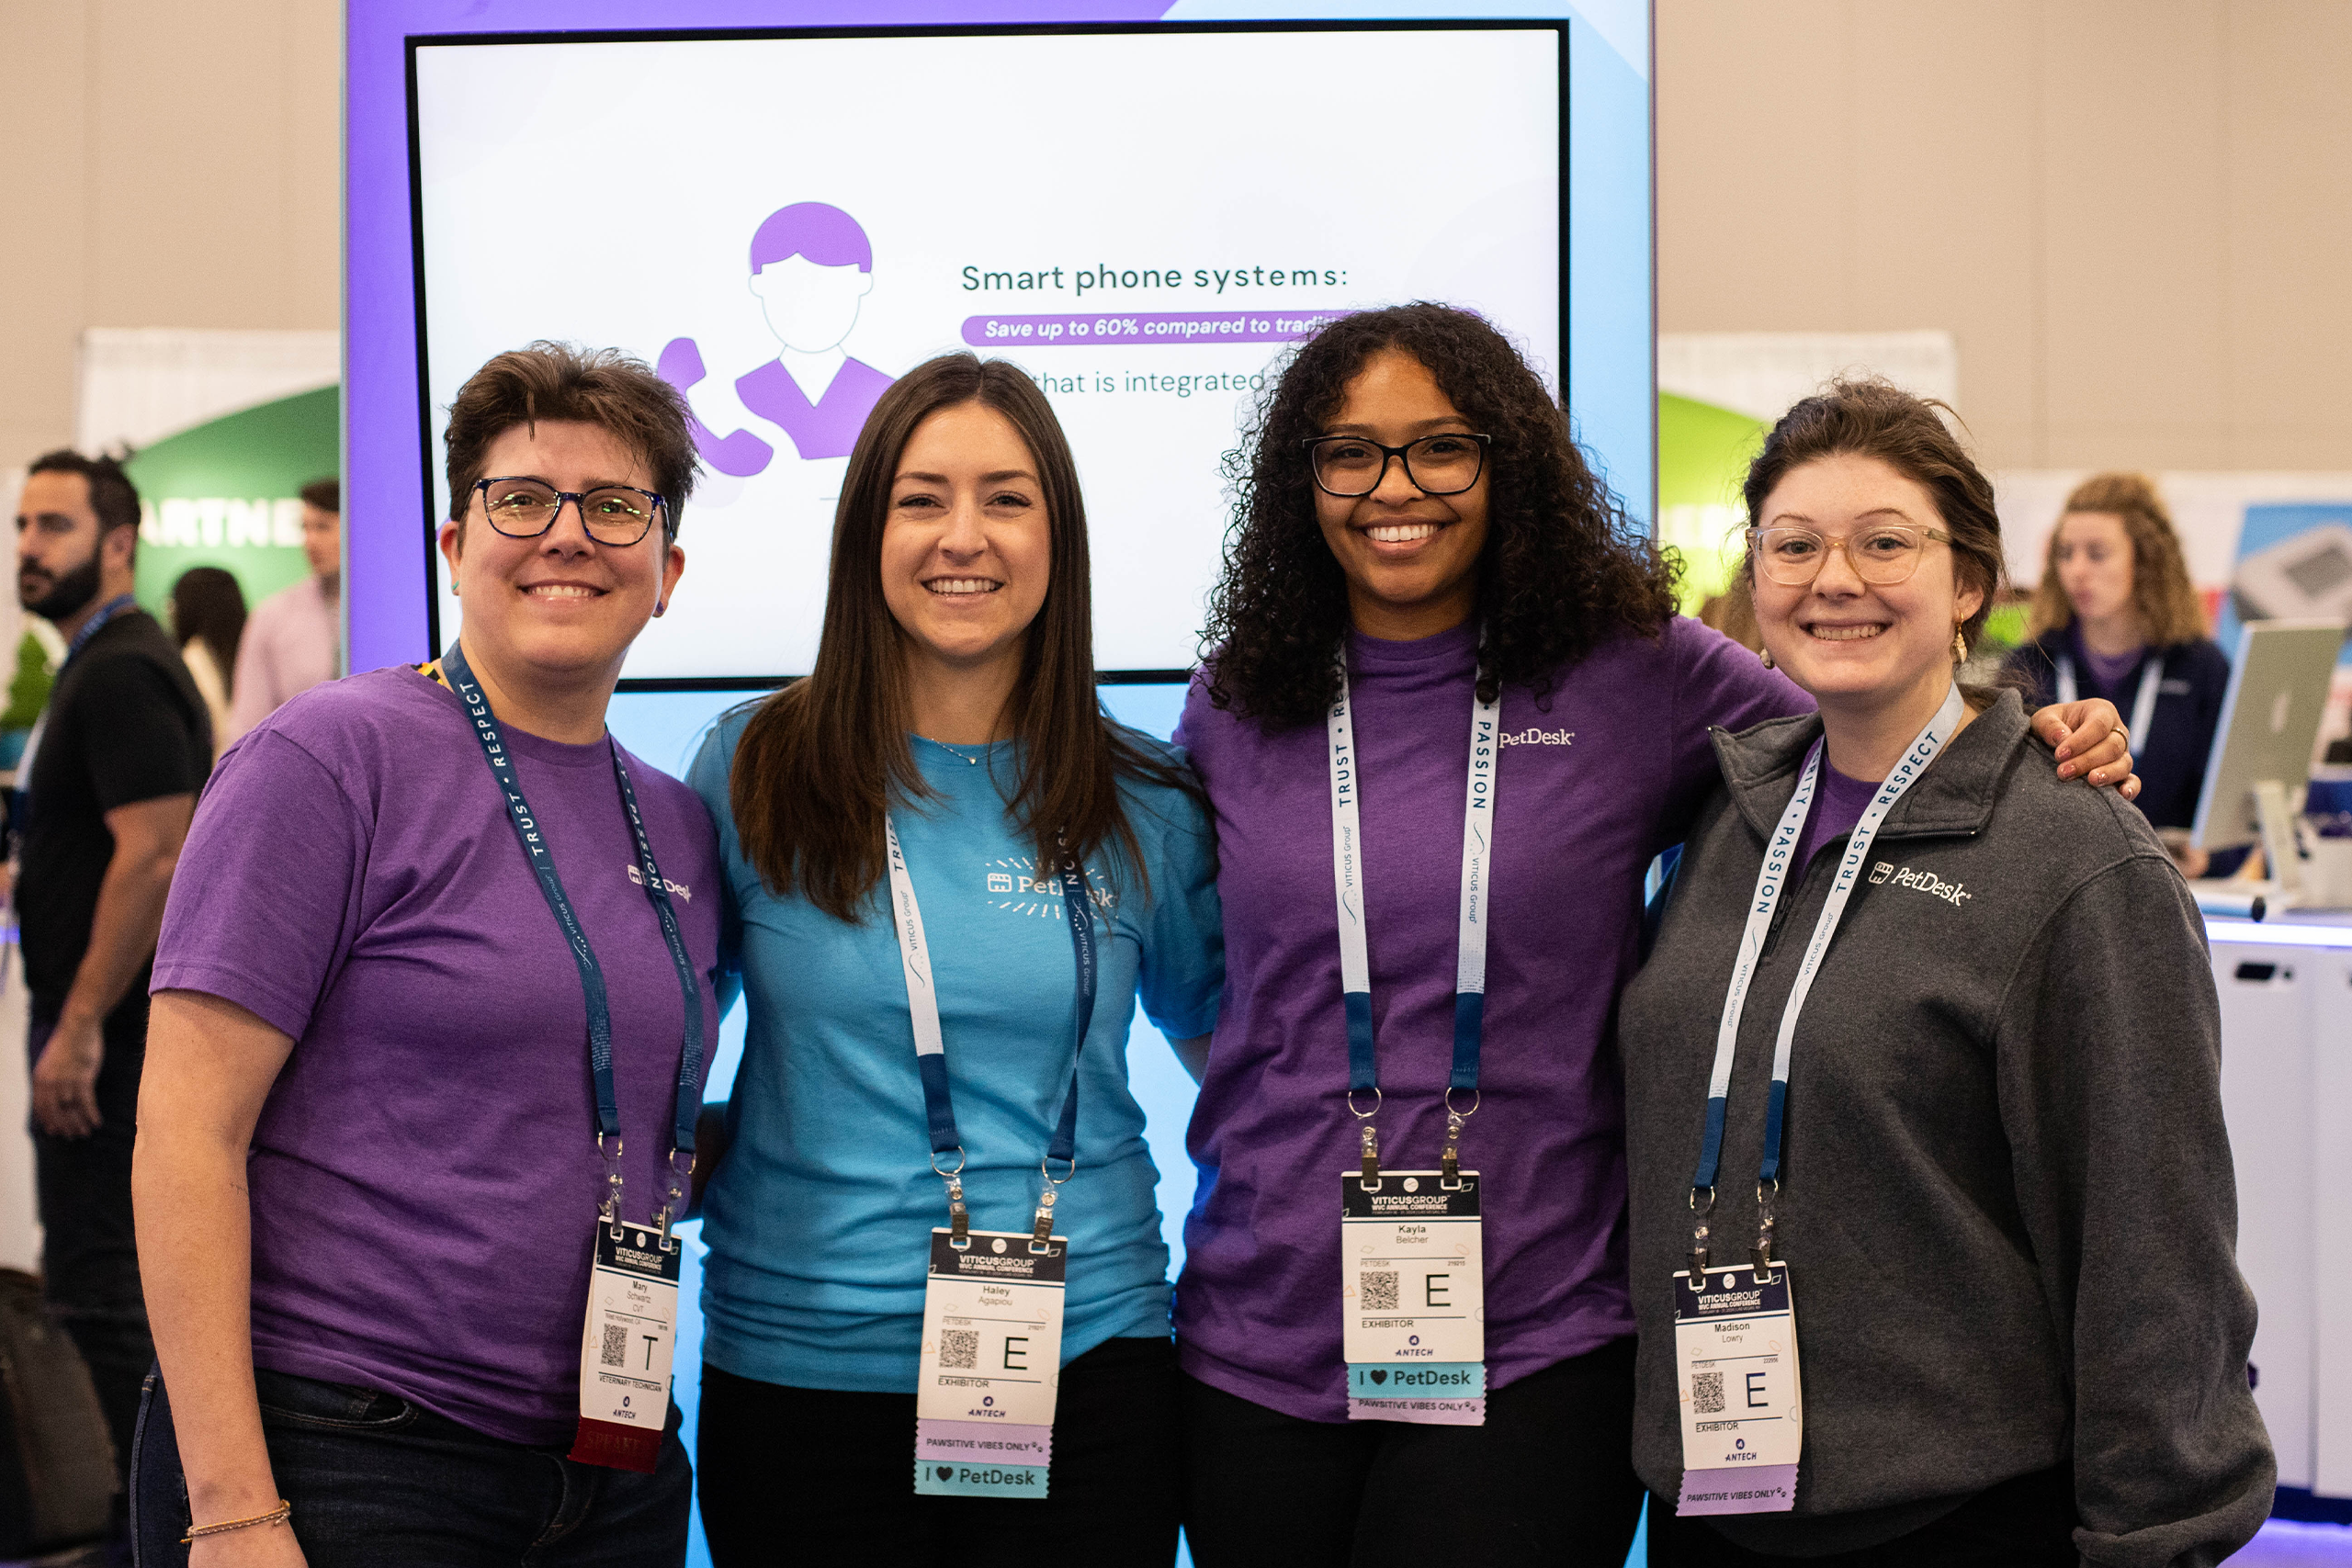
pixel 1350 466
pixel 613 514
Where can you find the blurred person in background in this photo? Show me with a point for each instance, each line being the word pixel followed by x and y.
pixel 2116 616
pixel 294 640
pixel 208 612
pixel 107 785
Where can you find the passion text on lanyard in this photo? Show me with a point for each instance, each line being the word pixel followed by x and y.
pixel 528 833
pixel 930 1045
pixel 1355 962
pixel 1778 856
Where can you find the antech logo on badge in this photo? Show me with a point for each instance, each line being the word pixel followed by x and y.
pixel 1928 882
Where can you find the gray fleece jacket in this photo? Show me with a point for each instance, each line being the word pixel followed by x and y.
pixel 2006 1197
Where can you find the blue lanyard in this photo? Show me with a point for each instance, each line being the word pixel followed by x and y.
pixel 930 1045
pixel 529 834
pixel 1470 932
pixel 22 813
pixel 1769 880
pixel 94 626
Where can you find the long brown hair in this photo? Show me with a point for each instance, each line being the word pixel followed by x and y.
pixel 824 758
pixel 208 606
pixel 1872 418
pixel 2166 601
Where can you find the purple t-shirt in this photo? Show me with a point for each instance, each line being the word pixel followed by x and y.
pixel 423 1180
pixel 1837 805
pixel 1589 787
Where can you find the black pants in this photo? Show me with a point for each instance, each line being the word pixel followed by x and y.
pixel 89 1251
pixel 379 1483
pixel 793 1475
pixel 2027 1522
pixel 1548 1480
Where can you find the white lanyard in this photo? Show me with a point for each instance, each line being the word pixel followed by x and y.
pixel 1769 880
pixel 2143 702
pixel 1470 932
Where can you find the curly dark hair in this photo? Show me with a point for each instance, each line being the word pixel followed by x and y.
pixel 1563 571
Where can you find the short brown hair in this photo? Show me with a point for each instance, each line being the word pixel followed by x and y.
pixel 561 380
pixel 822 760
pixel 324 494
pixel 1874 418
pixel 2170 609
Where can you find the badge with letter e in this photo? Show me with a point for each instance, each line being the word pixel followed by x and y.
pixel 1413 1289
pixel 1735 1373
pixel 991 1364
pixel 625 1347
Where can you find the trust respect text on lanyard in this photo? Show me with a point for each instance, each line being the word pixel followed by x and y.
pixel 2143 701
pixel 1412 1281
pixel 630 1328
pixel 987 1379
pixel 1735 1348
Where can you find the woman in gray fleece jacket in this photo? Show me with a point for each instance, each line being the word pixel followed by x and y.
pixel 2000 1199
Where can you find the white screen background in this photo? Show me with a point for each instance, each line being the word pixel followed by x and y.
pixel 606 194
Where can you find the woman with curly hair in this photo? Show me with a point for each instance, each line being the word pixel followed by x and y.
pixel 1422 959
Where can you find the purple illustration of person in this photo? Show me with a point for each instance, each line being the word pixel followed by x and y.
pixel 811 270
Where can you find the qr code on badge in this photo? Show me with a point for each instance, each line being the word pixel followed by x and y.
pixel 1707 1393
pixel 1379 1290
pixel 616 1344
pixel 959 1348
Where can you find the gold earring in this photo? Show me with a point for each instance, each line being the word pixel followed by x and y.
pixel 1959 646
pixel 1766 655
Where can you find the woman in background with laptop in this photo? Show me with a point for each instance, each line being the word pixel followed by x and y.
pixel 2116 616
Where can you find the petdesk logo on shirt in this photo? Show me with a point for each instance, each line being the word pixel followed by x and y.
pixel 1928 882
pixel 1532 737
pixel 1014 886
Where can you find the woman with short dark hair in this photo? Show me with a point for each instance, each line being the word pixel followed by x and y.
pixel 433 998
pixel 1937 1032
pixel 937 1295
pixel 1448 717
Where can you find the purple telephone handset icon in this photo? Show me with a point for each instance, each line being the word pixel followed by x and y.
pixel 741 455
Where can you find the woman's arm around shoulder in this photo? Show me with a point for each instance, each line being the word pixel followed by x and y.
pixel 2108 1049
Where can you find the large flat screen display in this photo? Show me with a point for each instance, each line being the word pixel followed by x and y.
pixel 1141 217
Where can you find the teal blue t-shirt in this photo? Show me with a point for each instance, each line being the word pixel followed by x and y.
pixel 818 1220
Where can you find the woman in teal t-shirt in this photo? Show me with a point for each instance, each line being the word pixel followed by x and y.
pixel 951 705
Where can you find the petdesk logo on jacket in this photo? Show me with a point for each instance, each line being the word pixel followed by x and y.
pixel 1532 737
pixel 1926 881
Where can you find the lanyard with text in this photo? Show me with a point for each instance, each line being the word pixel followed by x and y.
pixel 1736 1347
pixel 988 1372
pixel 2144 702
pixel 633 1281
pixel 90 629
pixel 1412 1283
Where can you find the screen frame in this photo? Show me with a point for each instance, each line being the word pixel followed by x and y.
pixel 1559 25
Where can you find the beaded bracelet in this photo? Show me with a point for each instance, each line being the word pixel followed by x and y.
pixel 277 1515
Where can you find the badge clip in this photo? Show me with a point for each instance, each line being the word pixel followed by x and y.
pixel 1765 1193
pixel 609 1210
pixel 1370 1178
pixel 959 1219
pixel 1047 1197
pixel 1450 1163
pixel 673 1200
pixel 1698 1234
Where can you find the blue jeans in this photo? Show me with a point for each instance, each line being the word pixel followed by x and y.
pixel 378 1482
